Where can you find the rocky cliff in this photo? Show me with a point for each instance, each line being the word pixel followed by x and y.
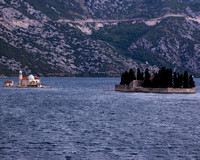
pixel 98 38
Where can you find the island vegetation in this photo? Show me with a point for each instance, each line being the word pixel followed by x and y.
pixel 164 78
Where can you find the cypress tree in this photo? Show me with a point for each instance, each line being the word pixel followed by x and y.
pixel 170 78
pixel 147 78
pixel 167 78
pixel 180 81
pixel 163 77
pixel 126 77
pixel 123 79
pixel 185 80
pixel 138 74
pixel 191 82
pixel 159 77
pixel 175 81
pixel 155 82
pixel 131 75
pixel 142 76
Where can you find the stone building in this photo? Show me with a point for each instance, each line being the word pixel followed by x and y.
pixel 8 84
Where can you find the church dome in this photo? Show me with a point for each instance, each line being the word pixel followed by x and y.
pixel 31 77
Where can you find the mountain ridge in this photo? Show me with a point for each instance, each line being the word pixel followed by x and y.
pixel 76 42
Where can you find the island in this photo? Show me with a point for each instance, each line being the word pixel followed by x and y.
pixel 162 81
pixel 26 82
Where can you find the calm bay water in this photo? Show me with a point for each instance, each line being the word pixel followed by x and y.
pixel 78 120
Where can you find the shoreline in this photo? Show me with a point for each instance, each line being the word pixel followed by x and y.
pixel 124 88
pixel 16 86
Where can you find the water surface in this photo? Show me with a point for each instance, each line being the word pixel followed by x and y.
pixel 78 120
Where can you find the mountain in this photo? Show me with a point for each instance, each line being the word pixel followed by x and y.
pixel 98 38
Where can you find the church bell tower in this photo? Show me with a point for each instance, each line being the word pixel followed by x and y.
pixel 20 78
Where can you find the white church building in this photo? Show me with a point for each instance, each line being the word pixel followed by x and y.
pixel 30 81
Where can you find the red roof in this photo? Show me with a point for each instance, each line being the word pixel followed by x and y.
pixel 151 78
pixel 25 78
pixel 36 77
pixel 8 82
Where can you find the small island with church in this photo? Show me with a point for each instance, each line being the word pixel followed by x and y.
pixel 162 81
pixel 26 82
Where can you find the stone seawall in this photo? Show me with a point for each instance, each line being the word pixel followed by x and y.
pixel 125 88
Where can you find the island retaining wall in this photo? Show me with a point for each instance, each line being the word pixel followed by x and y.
pixel 127 88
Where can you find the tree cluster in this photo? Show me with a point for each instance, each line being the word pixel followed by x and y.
pixel 127 77
pixel 164 78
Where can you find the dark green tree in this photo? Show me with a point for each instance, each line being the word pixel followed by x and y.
pixel 147 81
pixel 138 74
pixel 131 75
pixel 191 82
pixel 123 79
pixel 142 76
pixel 126 76
pixel 167 76
pixel 162 78
pixel 185 80
pixel 175 79
pixel 170 79
pixel 155 81
pixel 180 81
